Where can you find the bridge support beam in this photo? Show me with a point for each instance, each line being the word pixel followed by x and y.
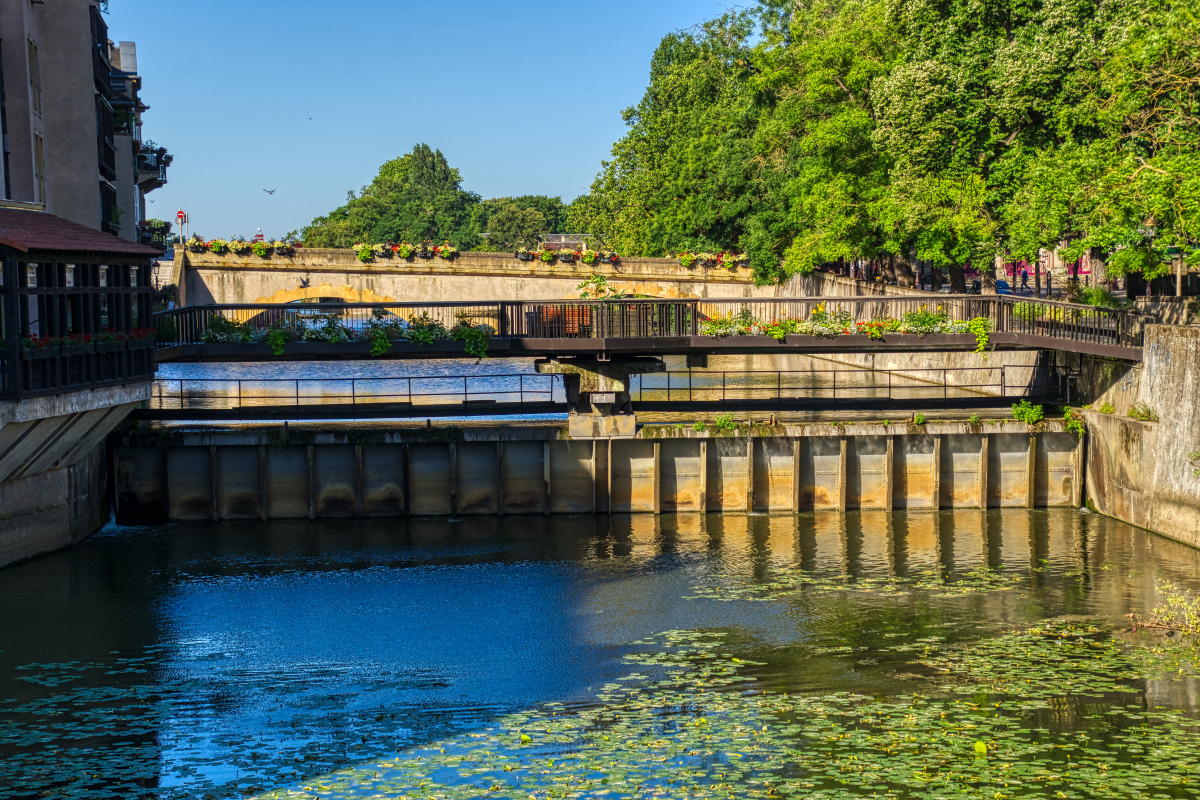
pixel 598 392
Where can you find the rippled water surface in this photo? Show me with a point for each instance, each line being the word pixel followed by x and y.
pixel 426 658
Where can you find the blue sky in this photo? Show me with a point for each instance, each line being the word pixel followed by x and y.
pixel 309 98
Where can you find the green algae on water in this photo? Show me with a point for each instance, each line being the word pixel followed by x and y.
pixel 691 723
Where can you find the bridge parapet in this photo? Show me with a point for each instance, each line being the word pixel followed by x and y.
pixel 206 278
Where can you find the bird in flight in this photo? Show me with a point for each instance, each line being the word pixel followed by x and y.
pixel 270 191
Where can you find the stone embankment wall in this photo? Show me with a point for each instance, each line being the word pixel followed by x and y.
pixel 53 467
pixel 1140 471
pixel 317 472
pixel 205 278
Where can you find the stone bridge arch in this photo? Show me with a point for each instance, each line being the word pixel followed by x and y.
pixel 344 293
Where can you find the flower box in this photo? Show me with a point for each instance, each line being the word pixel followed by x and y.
pixel 566 258
pixel 140 344
pixel 525 256
pixel 109 347
pixel 79 350
pixel 38 353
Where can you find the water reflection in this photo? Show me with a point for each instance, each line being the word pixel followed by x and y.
pixel 198 658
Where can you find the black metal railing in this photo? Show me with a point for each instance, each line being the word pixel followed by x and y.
pixel 1002 383
pixel 518 389
pixel 654 318
pixel 514 392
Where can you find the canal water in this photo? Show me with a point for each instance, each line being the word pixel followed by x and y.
pixel 871 654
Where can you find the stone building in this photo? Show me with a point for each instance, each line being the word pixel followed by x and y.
pixel 72 118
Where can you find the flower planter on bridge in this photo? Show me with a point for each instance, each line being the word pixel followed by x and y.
pixel 36 354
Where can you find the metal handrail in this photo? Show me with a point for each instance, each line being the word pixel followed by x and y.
pixel 657 318
pixel 525 394
pixel 700 386
pixel 742 390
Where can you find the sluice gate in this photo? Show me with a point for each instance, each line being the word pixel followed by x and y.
pixel 311 472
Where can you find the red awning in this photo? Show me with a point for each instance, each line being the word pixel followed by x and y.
pixel 34 230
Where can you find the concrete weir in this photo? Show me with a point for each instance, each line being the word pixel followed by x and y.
pixel 310 471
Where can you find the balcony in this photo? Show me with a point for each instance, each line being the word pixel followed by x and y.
pixel 108 158
pixel 152 168
pixel 154 233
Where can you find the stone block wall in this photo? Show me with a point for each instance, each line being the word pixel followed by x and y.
pixel 1140 471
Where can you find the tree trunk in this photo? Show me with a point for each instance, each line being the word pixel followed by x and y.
pixel 904 272
pixel 935 278
pixel 1097 266
pixel 987 277
pixel 1037 278
pixel 889 270
pixel 958 281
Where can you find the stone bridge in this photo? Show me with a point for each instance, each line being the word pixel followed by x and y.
pixel 314 274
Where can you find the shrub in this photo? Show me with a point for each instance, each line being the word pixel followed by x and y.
pixel 276 339
pixel 1099 296
pixel 974 419
pixel 1074 421
pixel 725 422
pixel 887 422
pixel 981 327
pixel 363 252
pixel 1143 413
pixel 425 330
pixel 1026 412
pixel 918 418
pixel 326 328
pixel 259 248
pixel 475 338
pixel 699 426
pixel 1106 408
pixel 225 331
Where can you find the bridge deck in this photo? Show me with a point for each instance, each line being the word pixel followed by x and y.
pixel 530 347
pixel 641 327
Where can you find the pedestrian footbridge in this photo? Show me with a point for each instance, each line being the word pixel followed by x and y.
pixel 603 329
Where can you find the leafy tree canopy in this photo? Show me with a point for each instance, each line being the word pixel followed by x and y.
pixel 419 196
pixel 804 131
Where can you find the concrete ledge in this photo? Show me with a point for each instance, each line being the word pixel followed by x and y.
pixel 36 408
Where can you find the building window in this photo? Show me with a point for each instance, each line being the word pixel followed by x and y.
pixel 35 77
pixel 39 166
pixel 34 329
pixel 110 211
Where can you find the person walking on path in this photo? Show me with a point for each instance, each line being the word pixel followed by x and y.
pixel 1025 278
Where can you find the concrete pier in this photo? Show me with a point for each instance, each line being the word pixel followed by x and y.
pixel 310 472
pixel 54 467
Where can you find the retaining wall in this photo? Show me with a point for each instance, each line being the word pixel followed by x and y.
pixel 55 508
pixel 53 467
pixel 252 474
pixel 1140 471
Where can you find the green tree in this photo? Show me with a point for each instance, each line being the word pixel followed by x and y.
pixel 413 198
pixel 552 210
pixel 511 227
